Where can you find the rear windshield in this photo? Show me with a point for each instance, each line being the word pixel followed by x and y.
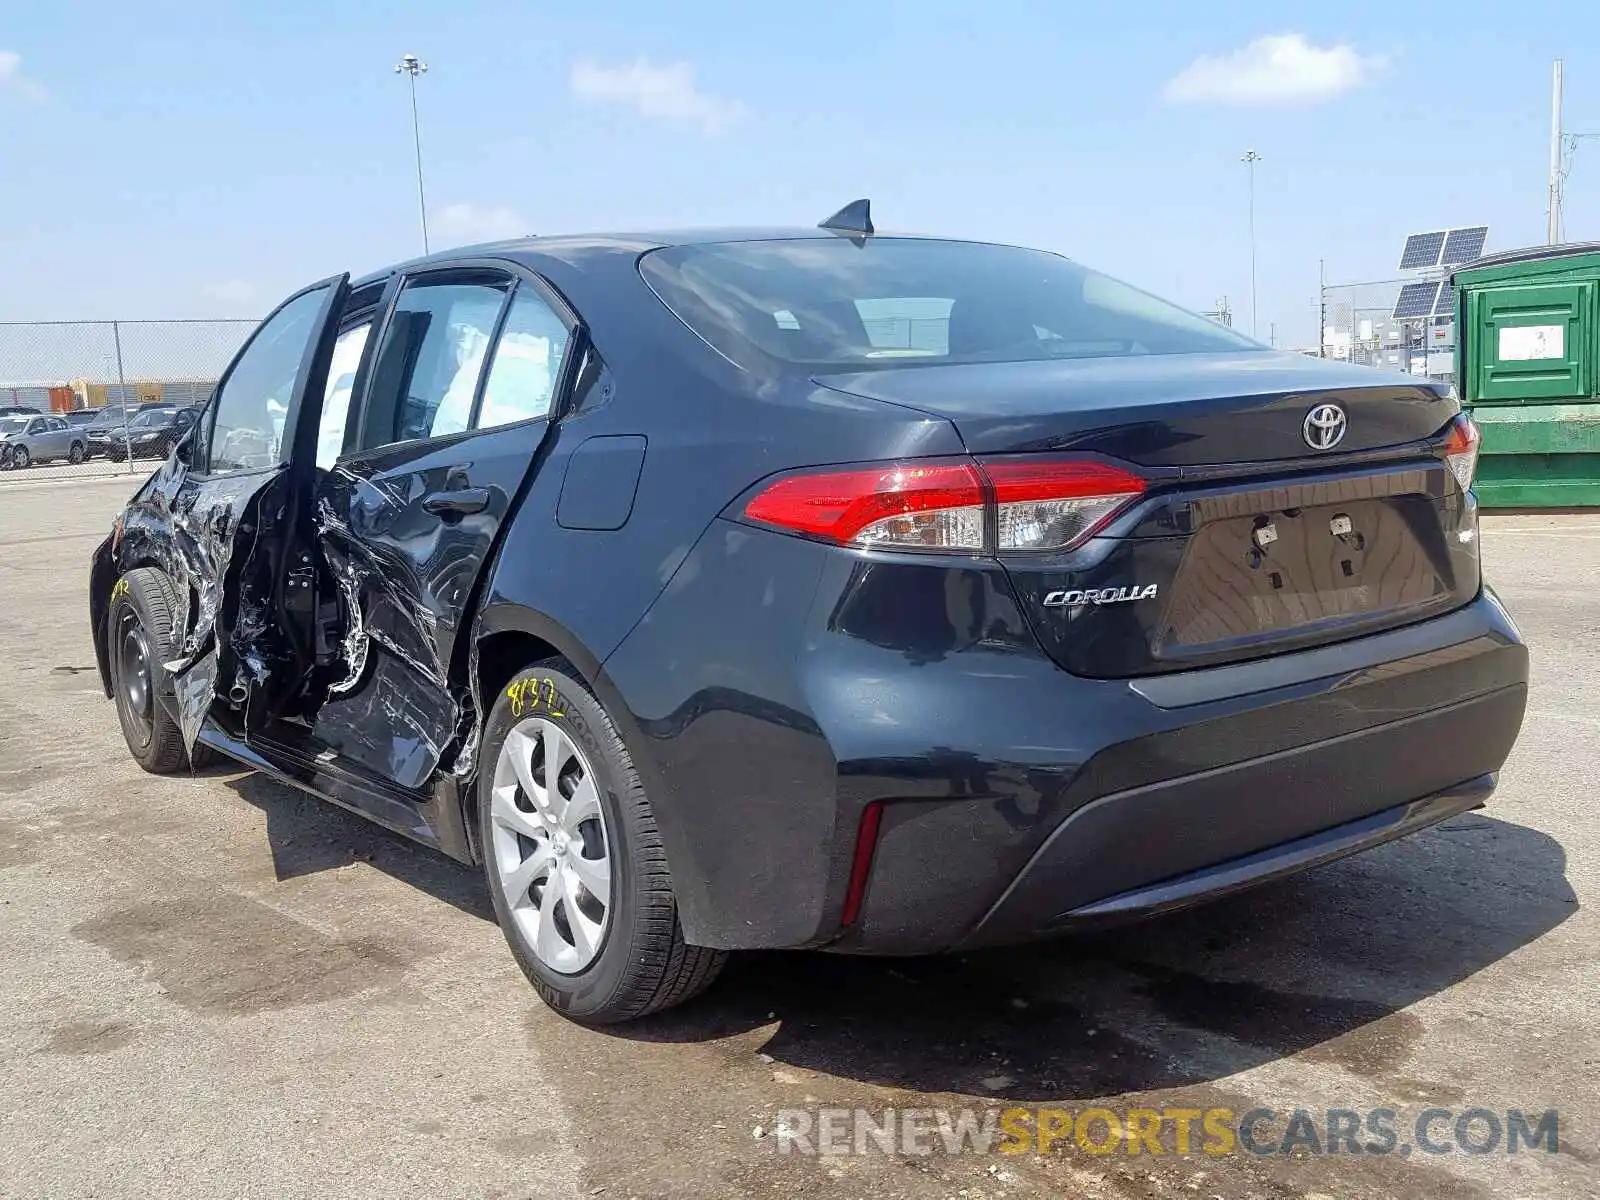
pixel 831 302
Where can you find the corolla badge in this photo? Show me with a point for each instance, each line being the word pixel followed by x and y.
pixel 1072 597
pixel 1325 427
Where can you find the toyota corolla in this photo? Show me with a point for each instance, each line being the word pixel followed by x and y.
pixel 812 588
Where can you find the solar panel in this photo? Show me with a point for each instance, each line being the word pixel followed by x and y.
pixel 1464 245
pixel 1422 250
pixel 1445 305
pixel 1416 299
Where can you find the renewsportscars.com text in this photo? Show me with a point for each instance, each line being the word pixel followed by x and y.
pixel 1165 1131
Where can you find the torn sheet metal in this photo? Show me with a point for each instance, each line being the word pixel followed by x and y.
pixel 188 528
pixel 391 707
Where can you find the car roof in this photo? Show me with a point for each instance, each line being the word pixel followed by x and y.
pixel 578 249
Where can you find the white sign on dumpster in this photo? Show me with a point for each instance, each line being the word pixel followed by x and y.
pixel 1526 343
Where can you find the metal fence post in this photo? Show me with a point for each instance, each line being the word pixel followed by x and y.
pixel 122 394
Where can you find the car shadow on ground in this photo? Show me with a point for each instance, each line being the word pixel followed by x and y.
pixel 1327 960
pixel 1324 962
pixel 306 834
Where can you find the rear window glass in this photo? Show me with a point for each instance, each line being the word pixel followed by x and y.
pixel 895 301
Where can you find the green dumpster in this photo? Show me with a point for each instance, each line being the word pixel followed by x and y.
pixel 1528 367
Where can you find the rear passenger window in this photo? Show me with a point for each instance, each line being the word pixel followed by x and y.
pixel 426 372
pixel 527 362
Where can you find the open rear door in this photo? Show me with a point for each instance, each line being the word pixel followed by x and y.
pixel 221 518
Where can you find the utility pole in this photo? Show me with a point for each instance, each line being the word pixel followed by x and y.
pixel 411 66
pixel 1553 232
pixel 1322 308
pixel 1250 159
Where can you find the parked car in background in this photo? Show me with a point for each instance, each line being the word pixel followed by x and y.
pixel 17 410
pixel 28 440
pixel 106 429
pixel 813 589
pixel 151 433
pixel 81 418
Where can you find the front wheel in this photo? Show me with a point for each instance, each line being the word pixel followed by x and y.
pixel 574 862
pixel 140 634
pixel 19 457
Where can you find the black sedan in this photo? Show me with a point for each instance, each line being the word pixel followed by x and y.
pixel 149 433
pixel 812 589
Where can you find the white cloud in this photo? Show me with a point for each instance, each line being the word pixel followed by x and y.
pixel 13 80
pixel 470 223
pixel 230 291
pixel 662 93
pixel 1282 68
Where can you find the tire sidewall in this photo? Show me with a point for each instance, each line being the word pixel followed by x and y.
pixel 126 600
pixel 551 693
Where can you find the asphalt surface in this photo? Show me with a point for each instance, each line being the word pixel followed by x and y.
pixel 215 986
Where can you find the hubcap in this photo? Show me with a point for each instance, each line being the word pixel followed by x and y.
pixel 133 662
pixel 552 850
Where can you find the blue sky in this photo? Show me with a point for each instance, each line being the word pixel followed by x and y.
pixel 162 159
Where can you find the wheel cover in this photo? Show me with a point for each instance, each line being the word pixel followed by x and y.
pixel 552 849
pixel 134 691
pixel 19 456
pixel 75 454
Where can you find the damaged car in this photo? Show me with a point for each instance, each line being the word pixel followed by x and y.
pixel 812 588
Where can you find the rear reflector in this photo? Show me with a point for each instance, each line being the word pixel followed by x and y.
pixel 1461 450
pixel 1044 504
pixel 861 861
pixel 1038 503
pixel 913 506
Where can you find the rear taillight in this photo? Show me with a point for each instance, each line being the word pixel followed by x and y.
pixel 1030 503
pixel 912 506
pixel 1042 504
pixel 1461 450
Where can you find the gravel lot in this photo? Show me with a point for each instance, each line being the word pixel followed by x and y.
pixel 214 986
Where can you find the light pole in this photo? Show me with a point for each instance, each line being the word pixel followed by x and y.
pixel 1250 159
pixel 412 66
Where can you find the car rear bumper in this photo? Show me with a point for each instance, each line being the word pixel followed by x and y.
pixel 1014 799
pixel 1018 912
pixel 1289 778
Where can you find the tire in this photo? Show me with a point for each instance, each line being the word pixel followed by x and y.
pixel 117 455
pixel 139 636
pixel 75 453
pixel 19 457
pixel 640 963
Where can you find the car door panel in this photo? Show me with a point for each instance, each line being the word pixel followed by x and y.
pixel 406 577
pixel 405 528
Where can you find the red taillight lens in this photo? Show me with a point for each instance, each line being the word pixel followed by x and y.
pixel 1039 503
pixel 1055 505
pixel 1461 450
pixel 916 506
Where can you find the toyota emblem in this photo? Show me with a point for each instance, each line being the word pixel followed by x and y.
pixel 1325 427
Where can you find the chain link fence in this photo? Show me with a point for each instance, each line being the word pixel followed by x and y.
pixel 1358 326
pixel 85 398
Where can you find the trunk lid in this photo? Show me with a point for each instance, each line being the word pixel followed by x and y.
pixel 1248 542
pixel 1161 410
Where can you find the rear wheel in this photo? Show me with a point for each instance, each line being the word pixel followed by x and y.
pixel 75 454
pixel 574 862
pixel 140 636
